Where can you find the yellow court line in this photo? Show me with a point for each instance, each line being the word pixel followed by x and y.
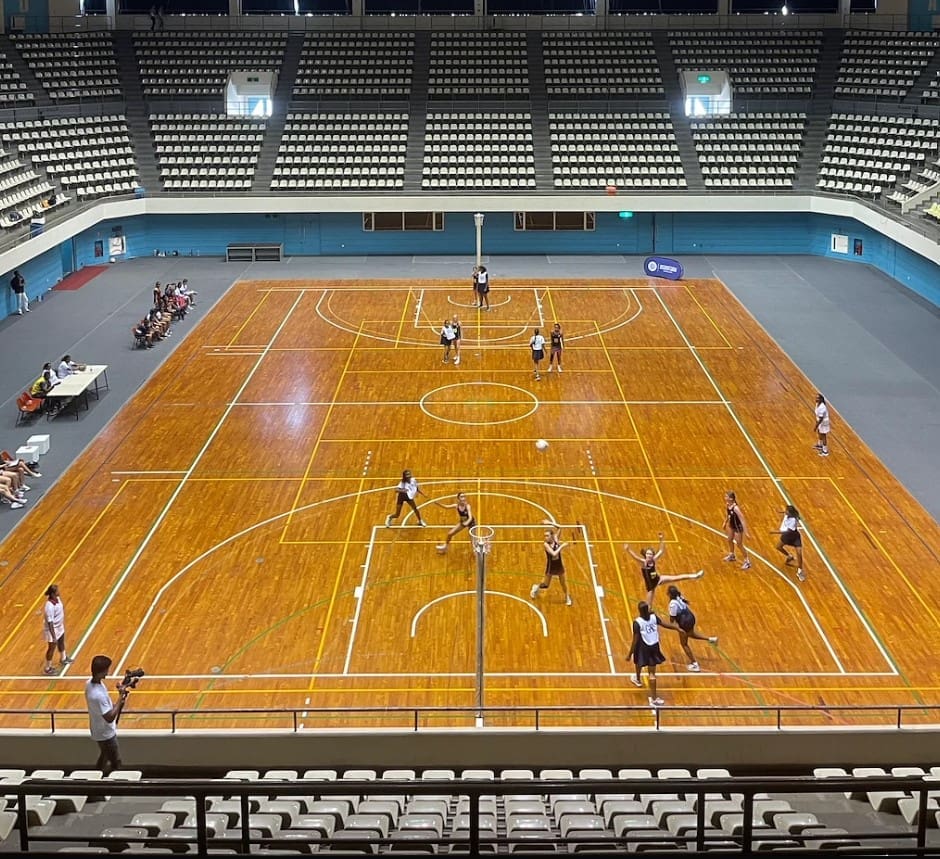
pixel 401 322
pixel 323 426
pixel 244 324
pixel 888 556
pixel 707 315
pixel 88 532
pixel 646 459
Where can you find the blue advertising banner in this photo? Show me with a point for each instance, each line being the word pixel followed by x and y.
pixel 663 267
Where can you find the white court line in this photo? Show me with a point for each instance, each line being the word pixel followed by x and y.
pixel 599 331
pixel 418 304
pixel 516 597
pixel 155 471
pixel 779 487
pixel 538 307
pixel 359 594
pixel 595 584
pixel 175 494
pixel 456 674
pixel 474 306
pixel 459 402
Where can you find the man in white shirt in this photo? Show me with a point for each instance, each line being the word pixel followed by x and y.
pixel 103 715
pixel 67 366
pixel 53 628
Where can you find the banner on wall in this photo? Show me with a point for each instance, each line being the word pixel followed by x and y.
pixel 840 244
pixel 117 245
pixel 663 267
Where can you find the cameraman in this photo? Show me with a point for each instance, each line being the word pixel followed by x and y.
pixel 103 715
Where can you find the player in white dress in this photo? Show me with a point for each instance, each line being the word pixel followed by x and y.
pixel 822 425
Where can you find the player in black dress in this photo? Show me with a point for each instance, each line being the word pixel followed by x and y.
pixel 465 519
pixel 645 650
pixel 556 347
pixel 651 578
pixel 554 566
pixel 483 287
pixel 735 527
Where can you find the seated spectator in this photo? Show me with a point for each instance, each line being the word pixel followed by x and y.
pixel 9 496
pixel 187 293
pixel 45 383
pixel 19 466
pixel 67 366
pixel 160 323
pixel 144 330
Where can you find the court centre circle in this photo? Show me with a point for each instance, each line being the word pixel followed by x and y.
pixel 526 401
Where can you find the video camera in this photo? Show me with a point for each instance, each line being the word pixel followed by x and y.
pixel 131 678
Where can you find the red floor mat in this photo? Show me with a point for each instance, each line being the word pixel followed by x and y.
pixel 77 279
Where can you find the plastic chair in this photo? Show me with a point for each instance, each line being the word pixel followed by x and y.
pixel 28 406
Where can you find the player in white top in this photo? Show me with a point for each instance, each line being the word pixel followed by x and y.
pixel 53 629
pixel 407 490
pixel 447 339
pixel 537 345
pixel 822 425
pixel 789 533
pixel 645 651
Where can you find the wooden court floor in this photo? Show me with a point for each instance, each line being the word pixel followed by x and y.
pixel 226 531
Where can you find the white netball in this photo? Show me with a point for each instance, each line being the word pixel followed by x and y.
pixel 541 444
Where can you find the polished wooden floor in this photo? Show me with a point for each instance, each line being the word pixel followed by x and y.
pixel 226 531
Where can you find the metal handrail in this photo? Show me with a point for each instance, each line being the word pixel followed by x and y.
pixel 537 717
pixel 243 790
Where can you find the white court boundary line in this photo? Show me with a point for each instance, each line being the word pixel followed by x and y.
pixel 779 487
pixel 454 594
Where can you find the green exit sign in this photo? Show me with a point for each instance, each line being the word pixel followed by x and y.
pixel 704 79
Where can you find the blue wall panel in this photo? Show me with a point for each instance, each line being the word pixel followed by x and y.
pixel 342 234
pixel 41 273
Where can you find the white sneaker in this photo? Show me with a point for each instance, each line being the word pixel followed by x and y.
pixel 730 557
pixel 388 521
pixel 549 368
pixel 456 361
pixel 637 683
pixel 568 601
pixel 422 524
pixel 26 488
pixel 693 666
pixel 713 639
pixel 559 368
pixel 656 702
pixel 746 565
pixel 800 574
pixel 17 504
pixel 533 592
pixel 441 547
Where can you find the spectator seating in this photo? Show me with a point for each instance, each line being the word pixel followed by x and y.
pixel 72 65
pixel 196 63
pixel 362 150
pixel 926 180
pixel 629 150
pixel 883 64
pixel 603 64
pixel 313 811
pixel 90 155
pixel 868 154
pixel 752 150
pixel 478 65
pixel 206 151
pixel 22 190
pixel 485 149
pixel 355 65
pixel 761 63
pixel 13 89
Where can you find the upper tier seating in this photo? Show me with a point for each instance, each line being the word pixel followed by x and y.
pixel 883 64
pixel 629 150
pixel 478 65
pixel 342 150
pixel 606 64
pixel 487 149
pixel 870 154
pixel 355 65
pixel 72 65
pixel 749 150
pixel 206 151
pixel 13 90
pixel 196 63
pixel 761 63
pixel 90 155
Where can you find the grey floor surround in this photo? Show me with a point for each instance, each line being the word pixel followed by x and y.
pixel 870 345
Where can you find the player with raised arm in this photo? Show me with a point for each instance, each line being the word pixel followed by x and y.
pixel 651 577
